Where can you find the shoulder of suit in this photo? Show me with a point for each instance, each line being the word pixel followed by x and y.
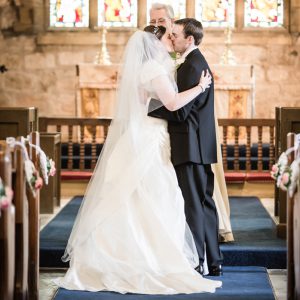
pixel 195 54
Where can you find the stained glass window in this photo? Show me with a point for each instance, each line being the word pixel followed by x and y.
pixel 217 13
pixel 264 13
pixel 117 13
pixel 69 13
pixel 178 7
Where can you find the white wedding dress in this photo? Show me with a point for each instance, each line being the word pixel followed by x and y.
pixel 134 237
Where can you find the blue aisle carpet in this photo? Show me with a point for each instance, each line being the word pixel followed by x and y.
pixel 239 283
pixel 255 243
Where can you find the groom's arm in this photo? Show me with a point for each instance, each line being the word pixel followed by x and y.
pixel 180 115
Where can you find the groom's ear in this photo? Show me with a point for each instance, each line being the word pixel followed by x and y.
pixel 191 39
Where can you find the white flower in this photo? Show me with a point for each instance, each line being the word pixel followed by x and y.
pixel 179 61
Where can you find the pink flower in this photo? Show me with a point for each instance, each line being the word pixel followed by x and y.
pixel 275 171
pixel 52 171
pixel 5 202
pixel 285 178
pixel 9 193
pixel 275 168
pixel 6 199
pixel 38 183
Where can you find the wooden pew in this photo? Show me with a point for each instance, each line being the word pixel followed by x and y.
pixel 287 120
pixel 296 239
pixel 22 219
pixel 293 231
pixel 34 209
pixel 50 194
pixel 17 121
pixel 7 231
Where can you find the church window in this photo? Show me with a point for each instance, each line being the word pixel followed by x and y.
pixel 69 13
pixel 264 13
pixel 215 13
pixel 117 13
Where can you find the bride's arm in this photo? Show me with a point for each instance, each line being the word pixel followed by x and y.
pixel 173 100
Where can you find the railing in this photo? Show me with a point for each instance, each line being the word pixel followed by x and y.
pixel 247 133
pixel 74 130
pixel 257 130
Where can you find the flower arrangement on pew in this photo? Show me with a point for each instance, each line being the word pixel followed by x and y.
pixel 286 176
pixel 46 165
pixel 6 195
pixel 51 167
pixel 32 176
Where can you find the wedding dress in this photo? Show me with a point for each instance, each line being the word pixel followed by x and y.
pixel 131 233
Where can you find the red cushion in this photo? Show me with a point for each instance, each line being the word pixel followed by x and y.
pixel 76 175
pixel 259 176
pixel 229 176
pixel 235 176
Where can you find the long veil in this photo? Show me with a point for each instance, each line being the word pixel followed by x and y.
pixel 131 108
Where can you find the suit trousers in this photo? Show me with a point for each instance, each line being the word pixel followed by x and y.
pixel 197 185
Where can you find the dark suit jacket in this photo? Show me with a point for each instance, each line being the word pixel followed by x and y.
pixel 191 128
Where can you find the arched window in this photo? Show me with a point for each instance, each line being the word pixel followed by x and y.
pixel 215 13
pixel 69 13
pixel 237 14
pixel 120 13
pixel 263 13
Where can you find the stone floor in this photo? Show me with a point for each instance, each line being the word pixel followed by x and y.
pixel 48 288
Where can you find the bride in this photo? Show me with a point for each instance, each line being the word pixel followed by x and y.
pixel 131 235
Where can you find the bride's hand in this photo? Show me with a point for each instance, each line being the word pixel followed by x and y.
pixel 205 80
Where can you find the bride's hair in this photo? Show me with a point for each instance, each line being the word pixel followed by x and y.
pixel 158 31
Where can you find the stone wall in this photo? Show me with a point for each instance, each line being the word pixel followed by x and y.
pixel 41 64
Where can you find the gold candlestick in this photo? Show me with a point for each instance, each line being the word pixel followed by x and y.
pixel 102 57
pixel 228 58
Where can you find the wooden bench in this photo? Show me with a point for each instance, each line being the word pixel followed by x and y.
pixel 293 231
pixel 34 230
pixel 50 194
pixel 7 231
pixel 287 120
pixel 21 225
pixel 25 230
pixel 17 121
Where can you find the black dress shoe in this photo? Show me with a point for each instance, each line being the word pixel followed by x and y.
pixel 215 270
pixel 200 269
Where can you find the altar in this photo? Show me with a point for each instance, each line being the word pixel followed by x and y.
pixel 96 90
pixel 234 90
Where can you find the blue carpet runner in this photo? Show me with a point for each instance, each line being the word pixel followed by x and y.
pixel 239 283
pixel 255 243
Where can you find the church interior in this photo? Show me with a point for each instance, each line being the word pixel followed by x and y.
pixel 59 67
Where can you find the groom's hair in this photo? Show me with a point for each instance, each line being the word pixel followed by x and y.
pixel 158 31
pixel 191 27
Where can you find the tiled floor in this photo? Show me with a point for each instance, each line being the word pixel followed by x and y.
pixel 48 287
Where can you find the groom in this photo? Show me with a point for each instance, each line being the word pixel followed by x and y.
pixel 193 145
